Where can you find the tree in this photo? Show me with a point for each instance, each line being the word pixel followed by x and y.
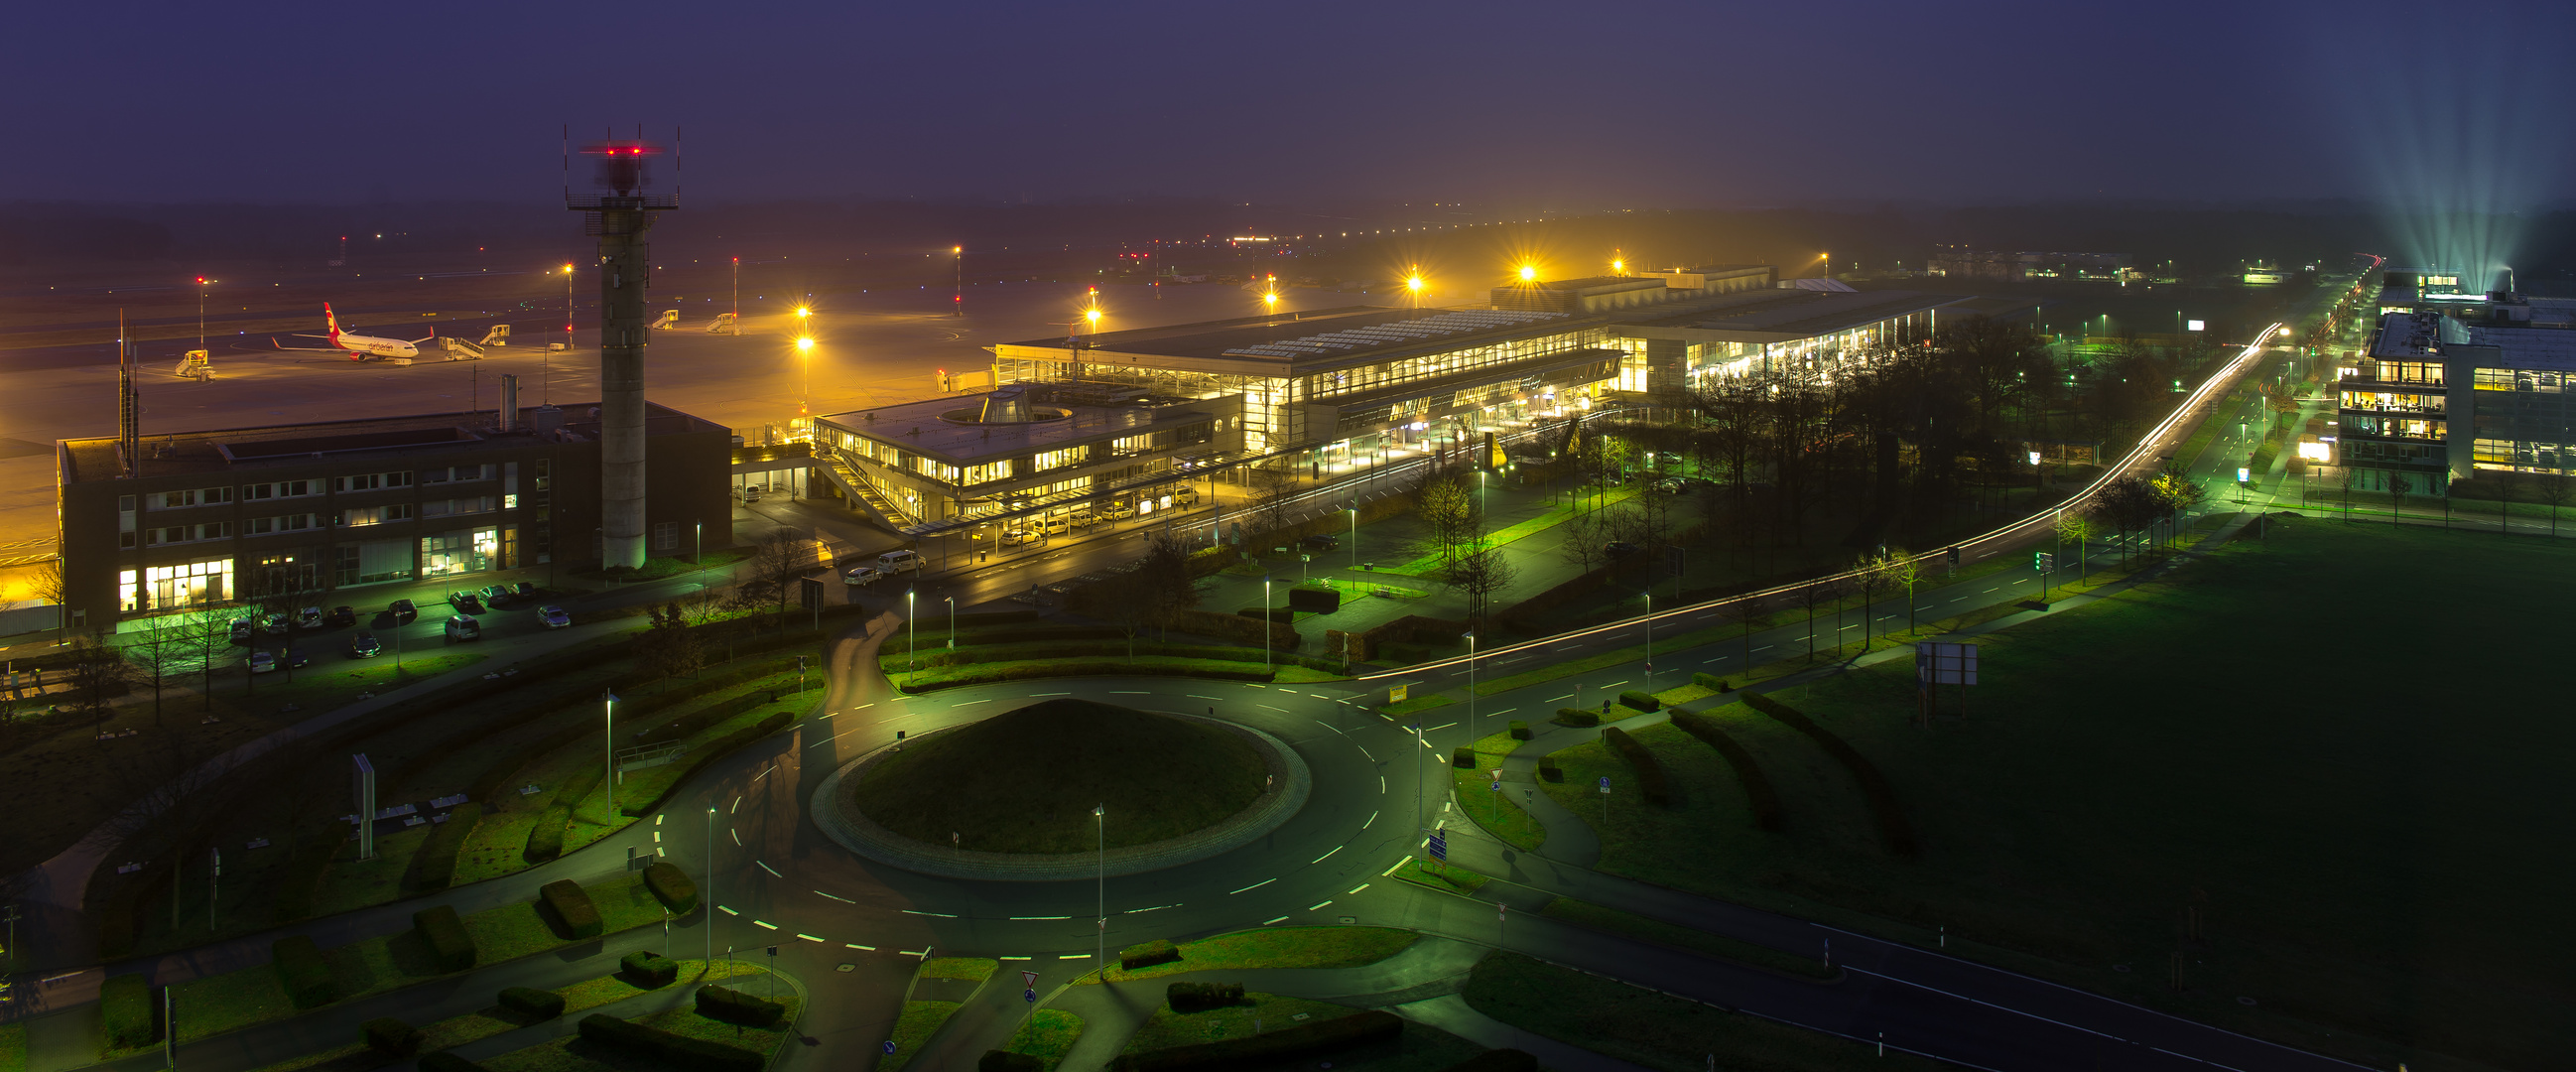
pixel 1478 574
pixel 736 606
pixel 99 674
pixel 2398 486
pixel 2508 483
pixel 163 652
pixel 669 646
pixel 776 562
pixel 2179 494
pixel 2555 490
pixel 1446 504
pixel 1164 585
pixel 48 583
pixel 2074 529
pixel 1584 535
pixel 1873 573
pixel 2126 505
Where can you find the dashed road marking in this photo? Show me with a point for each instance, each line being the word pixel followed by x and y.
pixel 737 835
pixel 1156 908
pixel 1077 956
pixel 727 911
pixel 1358 888
pixel 811 938
pixel 1024 919
pixel 942 915
pixel 763 923
pixel 1254 886
pixel 1326 856
pixel 773 872
pixel 843 900
pixel 1313 907
pixel 1372 820
pixel 855 945
pixel 1268 922
pixel 962 703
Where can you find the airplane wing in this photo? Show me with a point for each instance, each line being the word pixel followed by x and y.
pixel 306 349
pixel 433 333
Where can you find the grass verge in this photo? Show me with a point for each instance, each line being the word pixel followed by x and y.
pixel 1277 947
pixel 1635 1024
pixel 919 1021
pixel 1439 876
pixel 1258 1013
pixel 1494 809
pixel 1047 1035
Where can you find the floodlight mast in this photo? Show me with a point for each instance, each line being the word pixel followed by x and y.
pixel 619 211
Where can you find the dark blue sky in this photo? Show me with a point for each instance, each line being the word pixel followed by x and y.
pixel 1570 105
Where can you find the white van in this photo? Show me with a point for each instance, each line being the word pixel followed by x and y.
pixel 894 562
pixel 461 627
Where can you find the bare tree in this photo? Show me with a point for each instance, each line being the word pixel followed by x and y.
pixel 2509 482
pixel 1447 506
pixel 1163 582
pixel 1584 533
pixel 2398 487
pixel 2555 490
pixel 1478 574
pixel 49 586
pixel 776 562
pixel 163 653
pixel 670 646
pixel 1874 573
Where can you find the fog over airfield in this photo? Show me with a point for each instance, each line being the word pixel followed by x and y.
pixel 1572 108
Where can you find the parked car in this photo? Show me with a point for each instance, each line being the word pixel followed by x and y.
pixel 262 662
pixel 1082 520
pixel 273 624
pixel 403 611
pixel 523 589
pixel 1619 549
pixel 1185 496
pixel 309 618
pixel 461 627
pixel 1119 511
pixel 365 646
pixel 1674 485
pixel 341 617
pixel 894 562
pixel 1016 537
pixel 862 575
pixel 1054 526
pixel 1325 542
pixel 496 594
pixel 243 629
pixel 296 657
pixel 465 602
pixel 554 617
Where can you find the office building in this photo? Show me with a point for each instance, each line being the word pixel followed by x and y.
pixel 2437 399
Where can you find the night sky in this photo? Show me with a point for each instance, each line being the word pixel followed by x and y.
pixel 1561 105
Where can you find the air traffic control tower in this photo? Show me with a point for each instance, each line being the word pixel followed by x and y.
pixel 619 211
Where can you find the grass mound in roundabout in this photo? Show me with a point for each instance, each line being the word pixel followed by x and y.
pixel 1025 781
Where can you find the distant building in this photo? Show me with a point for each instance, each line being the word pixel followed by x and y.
pixel 327 507
pixel 2435 399
pixel 1958 262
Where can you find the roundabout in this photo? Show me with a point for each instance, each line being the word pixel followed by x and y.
pixel 1027 795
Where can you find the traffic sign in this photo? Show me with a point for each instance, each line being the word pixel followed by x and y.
pixel 1029 995
pixel 1439 845
pixel 1605 785
pixel 1496 785
pixel 1030 978
pixel 889 1045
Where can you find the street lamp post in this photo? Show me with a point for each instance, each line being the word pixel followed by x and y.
pixel 1355 537
pixel 952 621
pixel 910 632
pixel 710 905
pixel 1650 640
pixel 608 711
pixel 805 351
pixel 1475 732
pixel 1267 620
pixel 1100 953
pixel 957 305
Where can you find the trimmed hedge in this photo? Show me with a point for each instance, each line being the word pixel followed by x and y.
pixel 705 754
pixel 301 970
pixel 570 908
pixel 1148 954
pixel 1712 683
pixel 531 1003
pixel 681 1050
pixel 735 1007
pixel 671 886
pixel 546 838
pixel 444 1061
pixel 1650 774
pixel 1235 629
pixel 1643 701
pixel 450 947
pixel 648 969
pixel 1006 1061
pixel 1548 769
pixel 434 866
pixel 1488 1061
pixel 1200 997
pixel 1313 1036
pixel 1520 730
pixel 1577 717
pixel 301 879
pixel 390 1036
pixel 1463 758
pixel 1757 786
pixel 1893 827
pixel 125 1005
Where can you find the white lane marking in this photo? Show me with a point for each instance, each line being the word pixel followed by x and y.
pixel 1156 908
pixel 657 835
pixel 865 706
pixel 737 836
pixel 855 945
pixel 1050 694
pixel 1988 1004
pixel 1927 606
pixel 1254 886
pixel 727 911
pixel 810 938
pixel 1319 696
pixel 1365 752
pixel 1010 958
pixel 1372 821
pixel 1196 696
pixel 942 915
pixel 1326 856
pixel 1996 588
pixel 1268 922
pixel 827 714
pixel 1381 785
pixel 1706 662
pixel 962 703
pixel 773 872
pixel 1567 696
pixel 1129 692
pixel 764 772
pixel 761 923
pixel 1313 907
pixel 1267 707
pixel 1766 647
pixel 1074 956
pixel 1616 684
pixel 1356 889
pixel 657 818
pixel 1024 919
pixel 843 900
pixel 1438 728
pixel 1391 870
pixel 737 807
pixel 1504 711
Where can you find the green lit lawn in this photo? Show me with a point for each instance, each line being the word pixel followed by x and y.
pixel 1439 876
pixel 1278 947
pixel 970 969
pixel 1641 1026
pixel 571 1054
pixel 1047 1035
pixel 13 1047
pixel 2359 815
pixel 1498 812
pixel 1259 1013
pixel 919 1021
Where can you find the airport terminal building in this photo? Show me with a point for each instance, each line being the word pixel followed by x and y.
pixel 1119 420
pixel 311 511
pixel 2437 399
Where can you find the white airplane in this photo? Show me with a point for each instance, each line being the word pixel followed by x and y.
pixel 358 347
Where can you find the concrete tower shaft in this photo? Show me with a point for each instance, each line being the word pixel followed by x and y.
pixel 619 215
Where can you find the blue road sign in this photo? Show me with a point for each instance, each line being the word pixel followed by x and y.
pixel 889 1045
pixel 1029 995
pixel 1439 846
pixel 1605 783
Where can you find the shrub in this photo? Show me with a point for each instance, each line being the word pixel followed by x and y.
pixel 444 1061
pixel 735 1007
pixel 609 1031
pixel 1548 769
pixel 1200 997
pixel 1757 786
pixel 1710 682
pixel 546 838
pixel 648 969
pixel 1463 758
pixel 1520 730
pixel 434 866
pixel 1893 827
pixel 449 946
pixel 1006 1061
pixel 532 1003
pixel 301 970
pixel 1313 1036
pixel 301 878
pixel 1577 717
pixel 1151 953
pixel 1488 1061
pixel 1650 774
pixel 573 913
pixel 671 886
pixel 125 1004
pixel 1643 701
pixel 390 1036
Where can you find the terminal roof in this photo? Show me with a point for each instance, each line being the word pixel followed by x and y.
pixel 941 428
pixel 390 438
